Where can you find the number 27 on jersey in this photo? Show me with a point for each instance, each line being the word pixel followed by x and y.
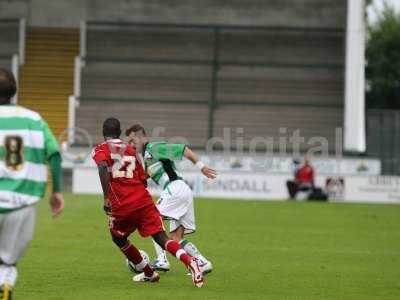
pixel 123 166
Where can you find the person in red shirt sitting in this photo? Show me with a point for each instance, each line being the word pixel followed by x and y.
pixel 304 179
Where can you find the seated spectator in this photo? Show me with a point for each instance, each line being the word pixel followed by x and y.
pixel 304 179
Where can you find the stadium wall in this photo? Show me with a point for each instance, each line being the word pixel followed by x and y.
pixel 299 13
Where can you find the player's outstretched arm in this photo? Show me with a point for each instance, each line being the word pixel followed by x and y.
pixel 105 182
pixel 207 171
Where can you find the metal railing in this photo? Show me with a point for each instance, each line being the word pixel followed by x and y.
pixel 383 138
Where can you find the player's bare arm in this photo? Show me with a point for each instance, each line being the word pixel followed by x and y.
pixel 207 171
pixel 105 183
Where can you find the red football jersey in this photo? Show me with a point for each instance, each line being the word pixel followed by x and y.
pixel 127 190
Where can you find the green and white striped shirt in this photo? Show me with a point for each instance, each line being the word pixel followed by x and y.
pixel 159 160
pixel 26 144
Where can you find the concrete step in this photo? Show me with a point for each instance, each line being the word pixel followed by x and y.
pixel 51 46
pixel 67 65
pixel 48 84
pixel 39 31
pixel 49 57
pixel 45 75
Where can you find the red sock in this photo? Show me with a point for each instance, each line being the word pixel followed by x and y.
pixel 175 249
pixel 133 254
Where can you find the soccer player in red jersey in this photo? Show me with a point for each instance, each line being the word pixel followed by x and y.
pixel 130 206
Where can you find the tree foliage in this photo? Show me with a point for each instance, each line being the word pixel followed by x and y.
pixel 383 61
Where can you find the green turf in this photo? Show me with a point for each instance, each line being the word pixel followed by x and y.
pixel 260 250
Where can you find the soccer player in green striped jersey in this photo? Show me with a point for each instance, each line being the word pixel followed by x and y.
pixel 176 199
pixel 26 147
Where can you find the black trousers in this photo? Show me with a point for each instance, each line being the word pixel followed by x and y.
pixel 293 188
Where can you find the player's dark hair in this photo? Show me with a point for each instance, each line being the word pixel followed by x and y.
pixel 8 86
pixel 112 128
pixel 135 128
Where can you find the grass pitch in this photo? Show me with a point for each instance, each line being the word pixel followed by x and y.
pixel 260 250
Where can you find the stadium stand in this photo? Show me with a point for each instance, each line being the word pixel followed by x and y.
pixel 197 80
pixel 151 42
pixel 146 81
pixel 180 120
pixel 47 76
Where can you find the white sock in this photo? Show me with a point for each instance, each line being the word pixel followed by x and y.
pixel 161 254
pixel 192 250
pixel 8 275
pixel 140 266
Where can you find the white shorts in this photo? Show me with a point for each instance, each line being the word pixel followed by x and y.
pixel 16 232
pixel 176 204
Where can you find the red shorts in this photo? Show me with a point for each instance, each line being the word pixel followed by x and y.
pixel 146 220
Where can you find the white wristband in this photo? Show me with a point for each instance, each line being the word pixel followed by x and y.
pixel 200 165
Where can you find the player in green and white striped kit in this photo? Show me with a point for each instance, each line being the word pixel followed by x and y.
pixel 26 146
pixel 176 199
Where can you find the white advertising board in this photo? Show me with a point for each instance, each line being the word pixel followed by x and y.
pixel 243 186
pixel 247 185
pixel 382 189
pixel 240 186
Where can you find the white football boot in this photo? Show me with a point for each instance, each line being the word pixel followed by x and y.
pixel 197 275
pixel 143 278
pixel 205 266
pixel 160 264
